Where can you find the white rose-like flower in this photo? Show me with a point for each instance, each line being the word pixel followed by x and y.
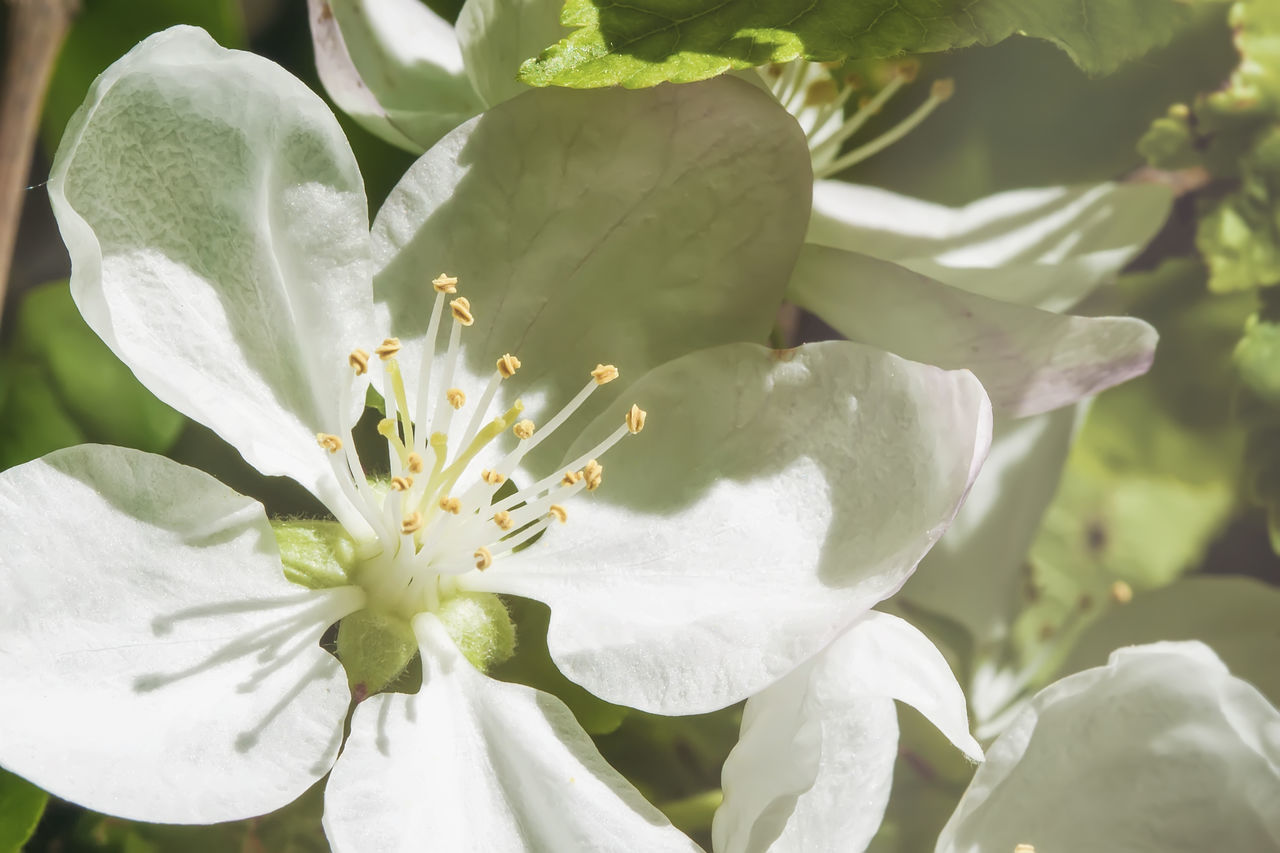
pixel 163 667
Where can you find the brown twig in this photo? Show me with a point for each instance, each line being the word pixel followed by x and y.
pixel 36 31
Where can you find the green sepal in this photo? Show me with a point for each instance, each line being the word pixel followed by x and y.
pixel 315 554
pixel 374 648
pixel 481 626
pixel 21 805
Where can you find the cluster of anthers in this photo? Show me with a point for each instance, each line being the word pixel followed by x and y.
pixel 434 519
pixel 819 99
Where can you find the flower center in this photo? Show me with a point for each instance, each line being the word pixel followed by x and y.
pixel 818 100
pixel 439 515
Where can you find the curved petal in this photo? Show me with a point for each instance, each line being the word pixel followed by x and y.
pixel 1233 615
pixel 216 223
pixel 1030 361
pixel 972 574
pixel 772 499
pixel 1161 750
pixel 156 663
pixel 814 765
pixel 472 763
pixel 497 35
pixel 1046 247
pixel 577 244
pixel 394 66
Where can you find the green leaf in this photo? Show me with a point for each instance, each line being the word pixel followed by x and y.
pixel 104 30
pixel 646 42
pixel 1240 237
pixel 21 805
pixel 33 421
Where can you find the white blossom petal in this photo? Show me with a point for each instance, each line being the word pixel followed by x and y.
pixel 973 574
pixel 771 500
pixel 156 663
pixel 216 222
pixel 814 765
pixel 1045 247
pixel 1160 751
pixel 1029 360
pixel 577 244
pixel 497 35
pixel 472 763
pixel 394 66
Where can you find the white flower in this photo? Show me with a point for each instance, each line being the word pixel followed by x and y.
pixel 1160 750
pixel 162 667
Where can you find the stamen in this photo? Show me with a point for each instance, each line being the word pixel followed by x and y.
pixel 484 559
pixel 359 359
pixel 1121 592
pixel 329 441
pixel 940 92
pixel 493 478
pixel 558 512
pixel 456 398
pixel 411 523
pixel 594 474
pixel 424 370
pixel 865 111
pixel 635 419
pixel 604 373
pixel 502 518
pixel 445 283
pixel 508 365
pixel 821 92
pixel 387 429
pixel 570 478
pixel 523 429
pixel 461 308
pixel 414 463
pixel 401 484
pixel 451 505
pixel 388 348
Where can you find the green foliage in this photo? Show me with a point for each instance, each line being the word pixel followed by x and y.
pixel 61 385
pixel 648 42
pixel 1153 477
pixel 21 805
pixel 104 30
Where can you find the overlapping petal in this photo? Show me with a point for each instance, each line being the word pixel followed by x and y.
pixel 772 499
pixel 497 35
pixel 1029 360
pixel 972 575
pixel 394 66
pixel 471 763
pixel 577 244
pixel 217 228
pixel 1046 247
pixel 1160 750
pixel 156 664
pixel 814 764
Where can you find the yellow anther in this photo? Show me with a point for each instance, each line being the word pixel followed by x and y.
pixel 907 70
pixel 401 484
pixel 461 308
pixel 1121 592
pixel 821 92
pixel 329 442
pixel 484 559
pixel 502 518
pixel 456 397
pixel 451 505
pixel 414 463
pixel 508 365
pixel 387 427
pixel 411 523
pixel 570 478
pixel 943 89
pixel 523 429
pixel 438 440
pixel 359 359
pixel 493 478
pixel 604 373
pixel 558 512
pixel 635 419
pixel 593 471
pixel 445 283
pixel 388 348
